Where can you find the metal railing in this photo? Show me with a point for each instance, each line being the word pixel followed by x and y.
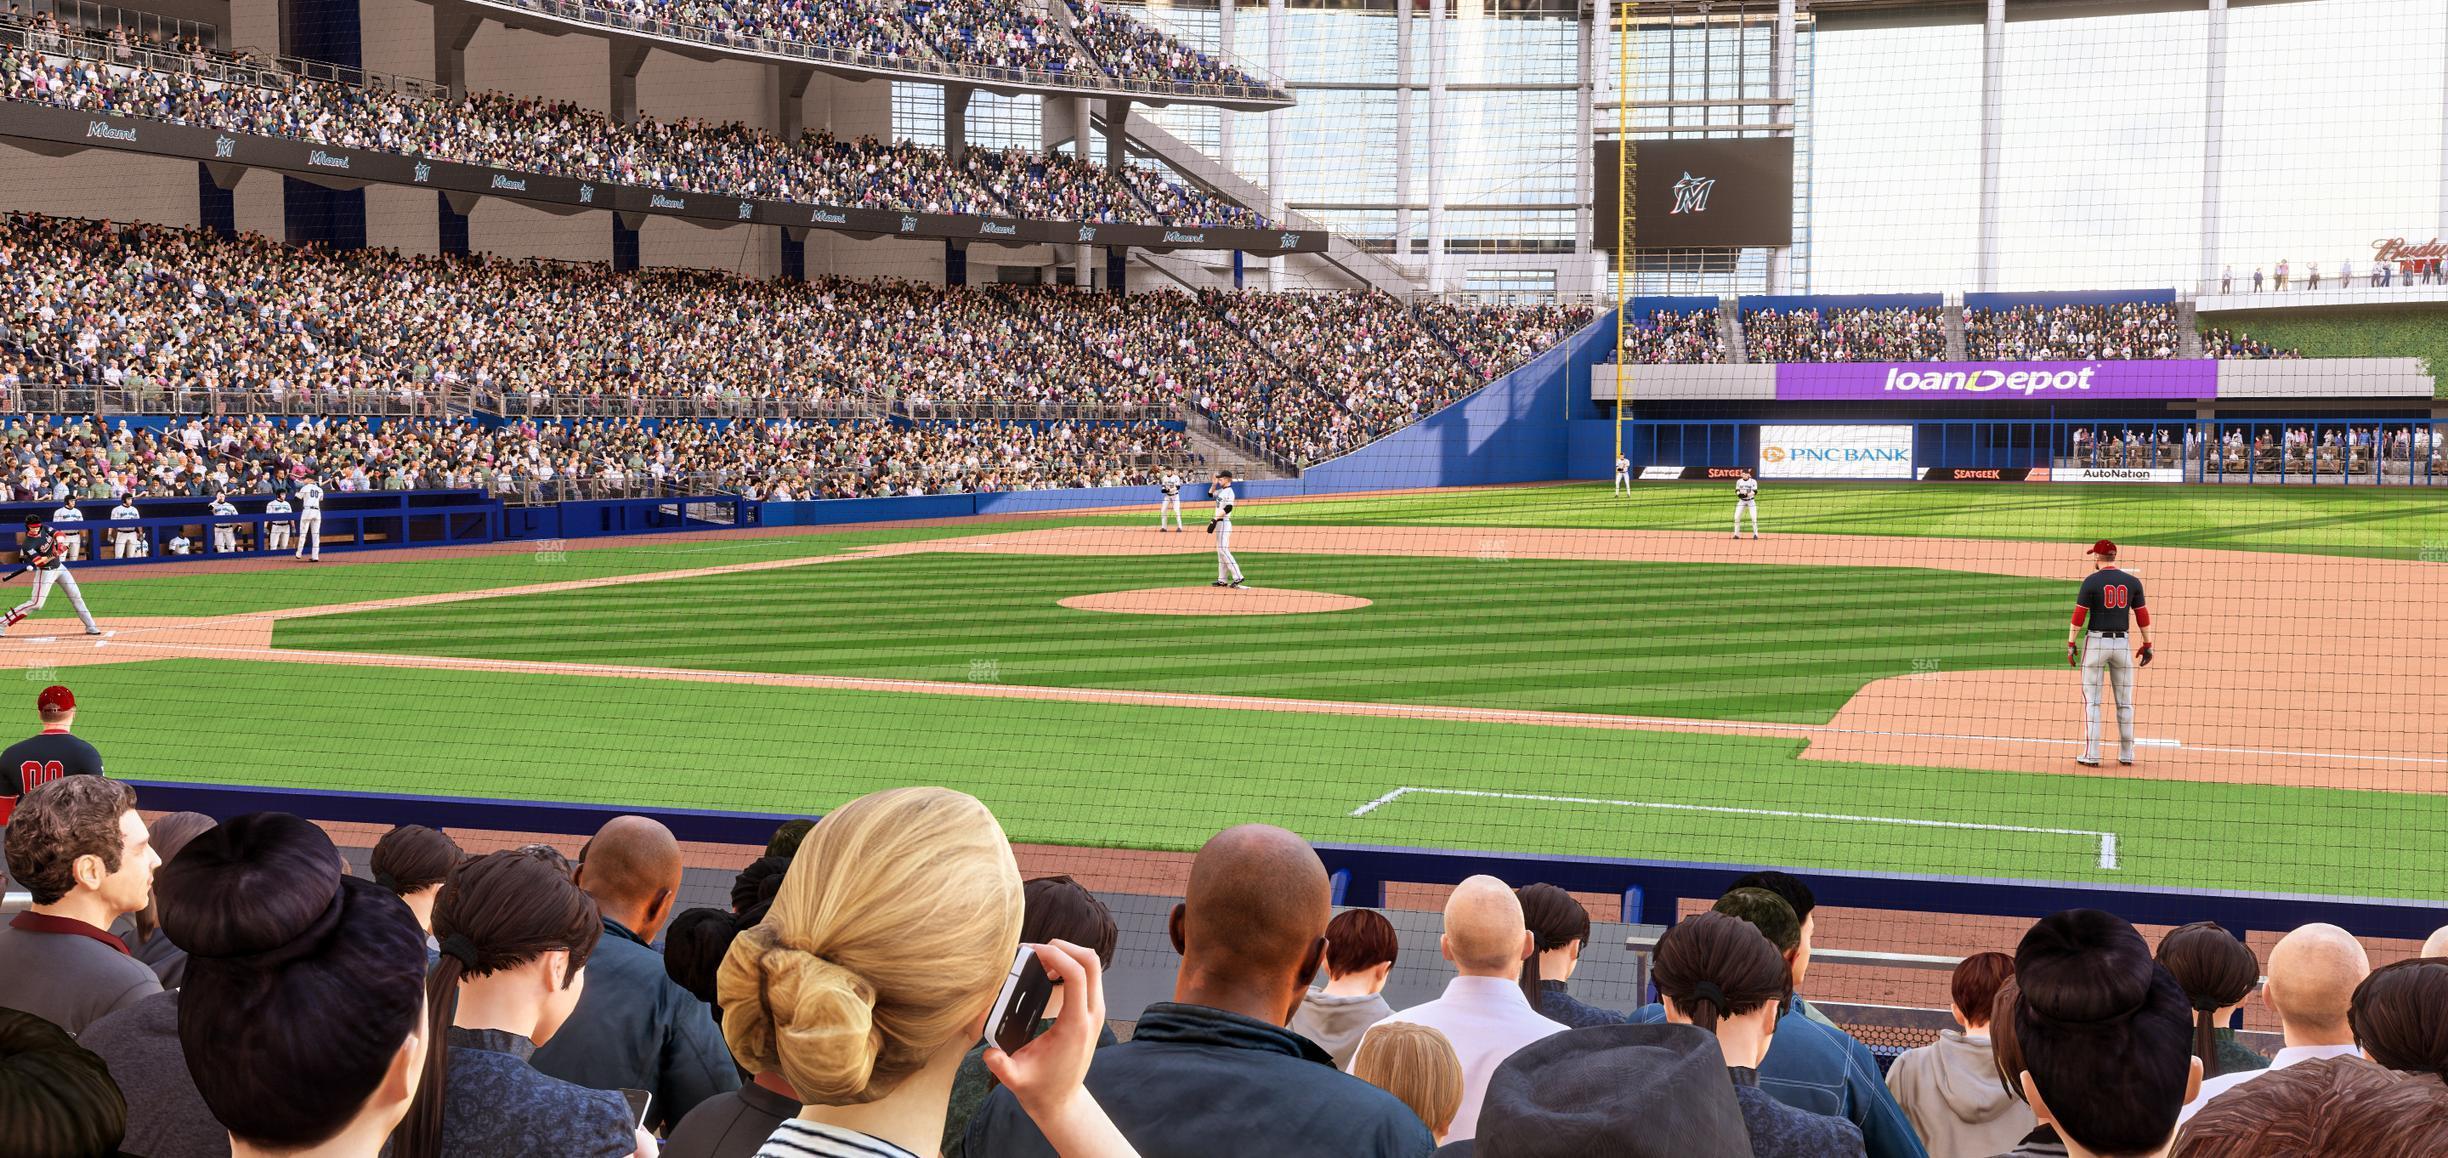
pixel 102 18
pixel 921 62
pixel 930 410
pixel 110 401
pixel 522 404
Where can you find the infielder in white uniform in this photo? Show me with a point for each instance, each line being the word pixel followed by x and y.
pixel 1228 572
pixel 310 520
pixel 128 542
pixel 276 535
pixel 1746 498
pixel 1172 484
pixel 38 550
pixel 71 543
pixel 1623 475
pixel 224 535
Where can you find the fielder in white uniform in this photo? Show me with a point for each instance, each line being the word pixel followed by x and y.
pixel 128 542
pixel 39 552
pixel 1172 484
pixel 276 535
pixel 224 535
pixel 1746 498
pixel 310 520
pixel 1623 475
pixel 1228 572
pixel 71 543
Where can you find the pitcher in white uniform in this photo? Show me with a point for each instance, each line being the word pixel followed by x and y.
pixel 310 520
pixel 1746 498
pixel 1172 484
pixel 1228 572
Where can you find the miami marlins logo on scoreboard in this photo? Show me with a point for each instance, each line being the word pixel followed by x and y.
pixel 1691 194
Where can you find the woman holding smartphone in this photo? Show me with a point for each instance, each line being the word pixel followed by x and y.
pixel 880 964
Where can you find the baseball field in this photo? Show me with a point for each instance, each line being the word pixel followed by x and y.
pixel 1880 683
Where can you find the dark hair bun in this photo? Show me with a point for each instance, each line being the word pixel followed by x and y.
pixel 288 870
pixel 2083 966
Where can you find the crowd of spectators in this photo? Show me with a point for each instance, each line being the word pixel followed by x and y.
pixel 2218 342
pixel 511 1002
pixel 563 138
pixel 64 460
pixel 1845 335
pixel 1674 338
pixel 1128 48
pixel 2120 331
pixel 170 313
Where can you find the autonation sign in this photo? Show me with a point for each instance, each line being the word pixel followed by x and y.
pixel 1949 381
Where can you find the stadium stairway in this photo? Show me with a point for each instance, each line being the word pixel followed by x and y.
pixel 1729 323
pixel 2188 331
pixel 1218 449
pixel 1957 347
pixel 1347 260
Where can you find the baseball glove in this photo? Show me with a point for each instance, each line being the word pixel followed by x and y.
pixel 2073 654
pixel 2142 658
pixel 1211 526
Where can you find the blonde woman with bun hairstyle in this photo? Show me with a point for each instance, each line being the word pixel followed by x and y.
pixel 874 973
pixel 1417 1064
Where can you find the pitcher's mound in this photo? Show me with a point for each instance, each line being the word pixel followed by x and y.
pixel 1214 601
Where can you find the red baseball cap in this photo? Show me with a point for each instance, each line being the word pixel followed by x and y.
pixel 56 698
pixel 2104 549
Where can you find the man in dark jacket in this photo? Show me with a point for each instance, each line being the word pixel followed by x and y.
pixel 1214 1072
pixel 634 1028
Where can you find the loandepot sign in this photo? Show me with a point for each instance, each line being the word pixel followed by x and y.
pixel 1944 381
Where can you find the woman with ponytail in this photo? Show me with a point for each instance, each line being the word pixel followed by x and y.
pixel 1560 927
pixel 514 937
pixel 894 929
pixel 2217 972
pixel 1719 973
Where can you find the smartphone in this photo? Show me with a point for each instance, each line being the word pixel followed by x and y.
pixel 1021 1004
pixel 639 1101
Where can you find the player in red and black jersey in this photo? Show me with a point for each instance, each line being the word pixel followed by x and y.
pixel 39 550
pixel 40 759
pixel 2108 610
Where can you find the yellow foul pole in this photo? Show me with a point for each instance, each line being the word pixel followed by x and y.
pixel 1625 172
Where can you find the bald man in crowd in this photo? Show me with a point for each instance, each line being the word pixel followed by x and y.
pixel 1482 1011
pixel 1214 1073
pixel 2437 946
pixel 2312 978
pixel 635 1028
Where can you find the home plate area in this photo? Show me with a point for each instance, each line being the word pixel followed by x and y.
pixel 1214 601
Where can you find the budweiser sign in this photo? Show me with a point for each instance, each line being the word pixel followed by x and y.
pixel 2399 249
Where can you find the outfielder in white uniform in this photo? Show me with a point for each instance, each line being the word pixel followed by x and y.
pixel 276 535
pixel 310 520
pixel 1746 498
pixel 1623 475
pixel 71 543
pixel 128 542
pixel 1172 484
pixel 1228 572
pixel 39 552
pixel 224 535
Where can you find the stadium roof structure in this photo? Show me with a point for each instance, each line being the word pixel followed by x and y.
pixel 1838 15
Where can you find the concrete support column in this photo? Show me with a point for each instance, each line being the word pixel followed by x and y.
pixel 1993 107
pixel 627 60
pixel 1599 63
pixel 1437 128
pixel 790 83
pixel 956 123
pixel 2214 147
pixel 1404 219
pixel 1084 126
pixel 1275 171
pixel 1117 129
pixel 453 30
pixel 1224 52
pixel 1781 85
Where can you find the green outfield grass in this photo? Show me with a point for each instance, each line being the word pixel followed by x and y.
pixel 1723 642
pixel 1167 778
pixel 1704 641
pixel 2390 522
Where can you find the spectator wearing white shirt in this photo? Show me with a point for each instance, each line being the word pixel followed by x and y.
pixel 128 542
pixel 72 543
pixel 2313 973
pixel 1482 1011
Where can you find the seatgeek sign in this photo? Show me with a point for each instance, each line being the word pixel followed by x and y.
pixel 1856 452
pixel 1988 381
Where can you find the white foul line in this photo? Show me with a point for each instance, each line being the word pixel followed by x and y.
pixel 2107 840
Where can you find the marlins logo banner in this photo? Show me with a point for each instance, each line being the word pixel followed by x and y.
pixel 1722 194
